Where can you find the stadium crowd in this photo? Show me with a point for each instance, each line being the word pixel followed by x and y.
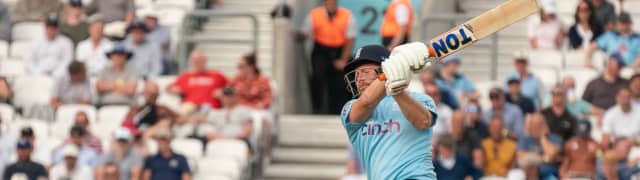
pixel 119 112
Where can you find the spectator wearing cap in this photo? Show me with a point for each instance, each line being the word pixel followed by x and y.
pixel 91 50
pixel 69 168
pixel 81 119
pixel 25 168
pixel 514 96
pixel 200 85
pixel 634 88
pixel 622 41
pixel 116 83
pixel 449 79
pixel 147 55
pixel 34 10
pixel 499 152
pixel 539 141
pixel 73 88
pixel 473 116
pixel 586 28
pixel 86 155
pixel 530 85
pixel 167 164
pixel 252 88
pixel 39 155
pixel 113 10
pixel 73 24
pixel 578 107
pixel 160 35
pixel 621 120
pixel 444 111
pixel 236 121
pixel 50 53
pixel 450 165
pixel 580 154
pixel 604 13
pixel 428 78
pixel 122 155
pixel 546 32
pixel 5 22
pixel 149 116
pixel 468 143
pixel 559 119
pixel 601 91
pixel 511 114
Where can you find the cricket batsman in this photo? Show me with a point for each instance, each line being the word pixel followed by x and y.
pixel 390 128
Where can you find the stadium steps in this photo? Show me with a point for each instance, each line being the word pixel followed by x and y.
pixel 310 147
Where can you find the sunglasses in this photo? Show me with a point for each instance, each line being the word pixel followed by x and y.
pixel 557 93
pixel 471 109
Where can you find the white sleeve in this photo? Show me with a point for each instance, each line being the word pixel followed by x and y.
pixel 606 122
pixel 351 28
pixel 402 14
pixel 67 57
pixel 32 66
pixel 307 26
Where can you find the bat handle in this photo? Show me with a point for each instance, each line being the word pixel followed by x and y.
pixel 432 53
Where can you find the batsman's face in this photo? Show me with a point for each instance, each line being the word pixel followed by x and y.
pixel 365 75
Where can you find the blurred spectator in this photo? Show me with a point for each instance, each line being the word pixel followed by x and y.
pixel 468 144
pixel 558 118
pixel 5 91
pixel 5 22
pixel 237 121
pixel 25 168
pixel 148 117
pixel 614 163
pixel 354 164
pixel 92 50
pixel 451 80
pixel 623 41
pixel 396 24
pixel 81 119
pixel 547 32
pixel 160 35
pixel 450 165
pixel 113 10
pixel 49 53
pixel 34 10
pixel 7 147
pixel 539 141
pixel 73 25
pixel 531 86
pixel 77 137
pixel 444 112
pixel 621 120
pixel 634 88
pixel 514 96
pixel 147 56
pixel 499 151
pixel 586 28
pixel 69 168
pixel 167 164
pixel 39 154
pixel 428 78
pixel 601 91
pixel 200 85
pixel 511 114
pixel 121 158
pixel 116 83
pixel 580 154
pixel 528 167
pixel 473 117
pixel 604 13
pixel 252 88
pixel 73 88
pixel 576 106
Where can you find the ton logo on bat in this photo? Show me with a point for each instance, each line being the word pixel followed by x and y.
pixel 452 41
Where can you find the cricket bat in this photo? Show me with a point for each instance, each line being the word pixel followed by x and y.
pixel 480 27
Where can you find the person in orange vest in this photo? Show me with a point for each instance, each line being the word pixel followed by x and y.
pixel 396 25
pixel 333 30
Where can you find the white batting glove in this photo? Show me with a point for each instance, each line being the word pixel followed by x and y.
pixel 398 76
pixel 415 54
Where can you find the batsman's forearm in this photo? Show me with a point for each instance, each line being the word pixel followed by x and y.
pixel 367 102
pixel 415 112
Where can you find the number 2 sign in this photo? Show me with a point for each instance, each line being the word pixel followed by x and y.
pixel 368 15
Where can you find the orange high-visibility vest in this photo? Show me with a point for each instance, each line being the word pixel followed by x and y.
pixel 390 26
pixel 331 33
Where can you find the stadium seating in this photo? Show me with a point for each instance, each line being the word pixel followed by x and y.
pixel 142 4
pixel 65 116
pixel 4 50
pixel 548 75
pixel 40 127
pixel 19 48
pixel 27 31
pixel 626 72
pixel 32 89
pixel 12 68
pixel 184 5
pixel 216 167
pixel 236 149
pixel 7 113
pixel 109 119
pixel 546 58
pixel 191 148
pixel 163 82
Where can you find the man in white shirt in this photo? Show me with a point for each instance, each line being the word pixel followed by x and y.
pixel 49 54
pixel 69 168
pixel 147 55
pixel 546 31
pixel 621 120
pixel 91 51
